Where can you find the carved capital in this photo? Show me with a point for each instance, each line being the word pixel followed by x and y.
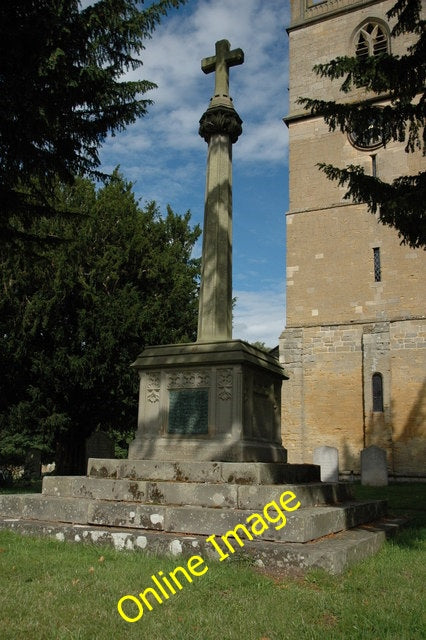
pixel 220 120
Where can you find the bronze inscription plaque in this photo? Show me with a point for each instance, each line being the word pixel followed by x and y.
pixel 188 411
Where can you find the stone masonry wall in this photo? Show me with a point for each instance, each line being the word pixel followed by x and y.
pixel 408 366
pixel 328 398
pixel 322 400
pixel 330 269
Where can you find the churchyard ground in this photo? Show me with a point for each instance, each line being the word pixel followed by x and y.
pixel 58 591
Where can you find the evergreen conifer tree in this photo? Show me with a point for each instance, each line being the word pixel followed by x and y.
pixel 62 92
pixel 400 81
pixel 74 319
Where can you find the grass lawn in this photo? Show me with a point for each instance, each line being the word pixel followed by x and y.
pixel 51 590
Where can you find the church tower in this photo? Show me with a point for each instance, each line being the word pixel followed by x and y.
pixel 355 338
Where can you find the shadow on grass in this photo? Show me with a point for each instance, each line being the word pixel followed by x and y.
pixel 405 500
pixel 29 486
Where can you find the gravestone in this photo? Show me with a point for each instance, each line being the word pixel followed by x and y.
pixel 99 445
pixel 374 470
pixel 328 459
pixel 32 466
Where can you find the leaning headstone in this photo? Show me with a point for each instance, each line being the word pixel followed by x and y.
pixel 99 445
pixel 374 470
pixel 32 465
pixel 328 459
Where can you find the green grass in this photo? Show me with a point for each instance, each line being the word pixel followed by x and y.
pixel 402 498
pixel 51 590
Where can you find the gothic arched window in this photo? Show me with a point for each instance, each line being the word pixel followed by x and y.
pixel 377 382
pixel 371 39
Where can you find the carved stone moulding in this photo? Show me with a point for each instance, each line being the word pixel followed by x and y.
pixel 220 120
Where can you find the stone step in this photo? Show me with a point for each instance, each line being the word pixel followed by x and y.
pixel 34 506
pixel 334 553
pixel 214 472
pixel 301 526
pixel 194 493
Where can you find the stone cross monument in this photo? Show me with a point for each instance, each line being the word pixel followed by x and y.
pixel 220 127
pixel 216 399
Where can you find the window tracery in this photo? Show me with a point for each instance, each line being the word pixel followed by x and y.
pixel 371 39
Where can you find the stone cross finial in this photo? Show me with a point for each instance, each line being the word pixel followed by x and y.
pixel 220 63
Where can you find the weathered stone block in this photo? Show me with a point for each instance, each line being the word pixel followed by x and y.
pixel 39 507
pixel 95 488
pixel 207 471
pixel 301 526
pixel 332 554
pixel 121 514
pixel 309 495
pixel 197 494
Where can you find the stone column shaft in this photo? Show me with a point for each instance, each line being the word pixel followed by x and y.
pixel 215 305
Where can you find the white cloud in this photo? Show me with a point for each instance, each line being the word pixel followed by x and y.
pixel 259 316
pixel 263 142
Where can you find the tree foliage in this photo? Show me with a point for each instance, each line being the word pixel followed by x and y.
pixel 261 345
pixel 401 80
pixel 73 320
pixel 62 92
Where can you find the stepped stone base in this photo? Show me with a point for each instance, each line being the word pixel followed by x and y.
pixel 334 553
pixel 210 472
pixel 173 508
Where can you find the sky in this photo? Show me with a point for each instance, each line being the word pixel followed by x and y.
pixel 165 158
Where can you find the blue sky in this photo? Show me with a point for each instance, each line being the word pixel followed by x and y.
pixel 166 158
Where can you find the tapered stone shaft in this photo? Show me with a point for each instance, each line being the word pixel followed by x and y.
pixel 220 126
pixel 215 312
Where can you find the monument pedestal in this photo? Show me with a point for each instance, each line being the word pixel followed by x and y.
pixel 217 401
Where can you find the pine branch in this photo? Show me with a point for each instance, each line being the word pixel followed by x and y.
pixel 400 82
pixel 400 204
pixel 407 13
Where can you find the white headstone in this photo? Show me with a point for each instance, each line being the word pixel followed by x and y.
pixel 374 470
pixel 328 459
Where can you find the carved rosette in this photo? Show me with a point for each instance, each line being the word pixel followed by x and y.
pixel 220 120
pixel 153 387
pixel 224 384
pixel 188 380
